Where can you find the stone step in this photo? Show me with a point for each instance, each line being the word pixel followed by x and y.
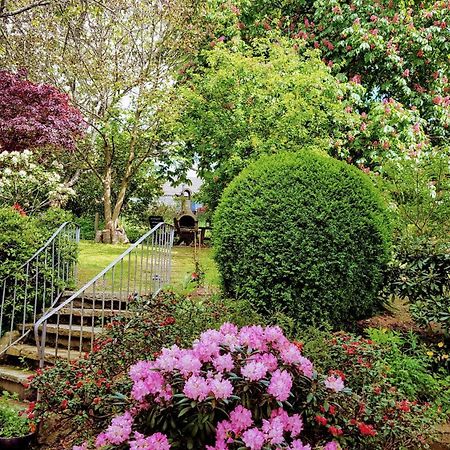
pixel 72 330
pixel 98 296
pixel 88 312
pixel 13 379
pixel 51 354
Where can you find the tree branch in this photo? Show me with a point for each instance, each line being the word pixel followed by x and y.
pixel 4 15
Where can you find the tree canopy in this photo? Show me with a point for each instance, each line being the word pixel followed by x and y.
pixel 36 115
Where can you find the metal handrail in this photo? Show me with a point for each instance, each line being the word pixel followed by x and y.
pixel 42 249
pixel 155 245
pixel 97 277
pixel 36 285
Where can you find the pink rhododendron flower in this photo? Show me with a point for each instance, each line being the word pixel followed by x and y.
pixel 280 385
pixel 253 439
pixel 253 337
pixel 268 359
pixel 167 361
pixel 118 432
pixel 196 388
pixel 229 328
pixel 254 371
pixel 157 441
pixel 241 419
pixel 221 389
pixel 223 363
pixel 334 383
pixel 306 366
pixel 188 364
pixel 273 430
pixel 205 351
pixel 291 354
pixel 298 445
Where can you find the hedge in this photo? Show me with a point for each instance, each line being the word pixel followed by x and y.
pixel 303 234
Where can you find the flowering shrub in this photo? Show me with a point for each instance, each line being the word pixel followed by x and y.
pixel 25 181
pixel 193 398
pixel 393 48
pixel 399 402
pixel 232 388
pixel 83 394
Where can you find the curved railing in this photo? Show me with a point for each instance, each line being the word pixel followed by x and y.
pixel 37 284
pixel 68 329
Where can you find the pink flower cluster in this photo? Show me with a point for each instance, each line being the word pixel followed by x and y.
pixel 280 431
pixel 334 383
pixel 216 354
pixel 216 368
pixel 117 433
pixel 157 441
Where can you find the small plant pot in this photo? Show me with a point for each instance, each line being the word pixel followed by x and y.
pixel 17 443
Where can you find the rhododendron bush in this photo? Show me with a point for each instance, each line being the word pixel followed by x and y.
pixel 248 388
pixel 25 181
pixel 234 388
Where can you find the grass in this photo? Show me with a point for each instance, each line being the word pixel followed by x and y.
pixel 93 258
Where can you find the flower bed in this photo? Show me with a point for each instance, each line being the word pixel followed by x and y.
pixel 253 388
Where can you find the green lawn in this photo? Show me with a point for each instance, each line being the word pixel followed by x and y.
pixel 94 258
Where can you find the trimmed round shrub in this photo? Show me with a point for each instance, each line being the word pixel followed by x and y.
pixel 303 234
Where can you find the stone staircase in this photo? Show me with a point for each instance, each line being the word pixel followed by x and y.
pixel 69 335
pixel 74 322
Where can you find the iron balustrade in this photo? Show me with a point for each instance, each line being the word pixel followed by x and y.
pixel 68 330
pixel 37 285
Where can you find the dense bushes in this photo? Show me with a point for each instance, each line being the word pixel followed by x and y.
pixel 163 321
pixel 305 234
pixel 20 237
pixel 386 407
pixel 420 274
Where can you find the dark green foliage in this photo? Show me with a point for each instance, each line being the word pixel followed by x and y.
pixel 420 273
pixel 53 218
pixel 87 227
pixel 304 234
pixel 20 237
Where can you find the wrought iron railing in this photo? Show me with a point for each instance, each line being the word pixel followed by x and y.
pixel 37 285
pixel 68 330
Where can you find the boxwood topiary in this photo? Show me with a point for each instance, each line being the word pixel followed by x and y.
pixel 305 234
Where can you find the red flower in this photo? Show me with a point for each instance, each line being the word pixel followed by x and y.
pixel 338 373
pixel 168 321
pixel 322 420
pixel 366 430
pixel 64 404
pixel 335 431
pixel 403 406
pixel 19 209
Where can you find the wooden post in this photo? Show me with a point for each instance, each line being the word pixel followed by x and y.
pixel 96 223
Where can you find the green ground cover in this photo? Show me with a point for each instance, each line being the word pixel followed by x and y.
pixel 95 257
